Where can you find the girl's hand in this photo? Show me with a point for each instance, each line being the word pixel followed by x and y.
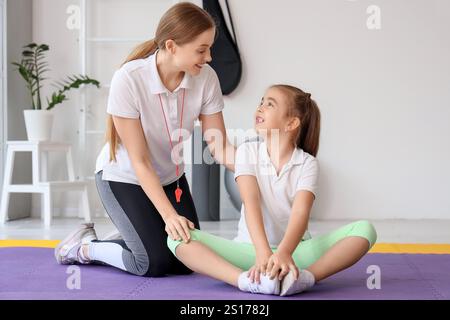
pixel 279 265
pixel 177 227
pixel 254 273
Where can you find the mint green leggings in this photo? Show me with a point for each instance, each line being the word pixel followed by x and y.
pixel 242 255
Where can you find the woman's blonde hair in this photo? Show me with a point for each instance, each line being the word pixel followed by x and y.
pixel 302 106
pixel 182 23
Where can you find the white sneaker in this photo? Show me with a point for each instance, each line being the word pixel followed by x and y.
pixel 266 286
pixel 291 286
pixel 68 250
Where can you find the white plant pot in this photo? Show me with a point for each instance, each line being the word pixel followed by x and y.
pixel 38 124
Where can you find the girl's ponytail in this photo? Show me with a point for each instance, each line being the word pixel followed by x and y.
pixel 308 136
pixel 306 109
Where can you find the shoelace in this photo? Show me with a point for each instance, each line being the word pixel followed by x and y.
pixel 80 256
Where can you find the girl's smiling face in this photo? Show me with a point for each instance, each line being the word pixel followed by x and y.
pixel 272 112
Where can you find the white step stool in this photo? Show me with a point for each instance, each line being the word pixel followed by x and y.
pixel 39 150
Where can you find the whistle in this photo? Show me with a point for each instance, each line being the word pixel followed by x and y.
pixel 178 193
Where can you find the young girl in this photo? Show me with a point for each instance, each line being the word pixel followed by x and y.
pixel 159 92
pixel 277 180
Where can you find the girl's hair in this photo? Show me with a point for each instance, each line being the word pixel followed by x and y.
pixel 182 23
pixel 302 106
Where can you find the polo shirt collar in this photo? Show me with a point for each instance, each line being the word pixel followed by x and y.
pixel 297 158
pixel 156 84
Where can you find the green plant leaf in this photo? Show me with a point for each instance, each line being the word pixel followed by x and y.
pixel 32 68
pixel 43 47
pixel 74 82
pixel 56 99
pixel 27 53
pixel 24 73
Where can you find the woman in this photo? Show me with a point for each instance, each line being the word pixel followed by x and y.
pixel 158 93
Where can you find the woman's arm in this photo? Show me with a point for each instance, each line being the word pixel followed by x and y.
pixel 213 128
pixel 132 136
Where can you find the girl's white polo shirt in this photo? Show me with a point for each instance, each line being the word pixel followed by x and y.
pixel 134 93
pixel 277 192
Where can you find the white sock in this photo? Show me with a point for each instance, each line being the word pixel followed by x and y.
pixel 107 252
pixel 291 286
pixel 266 286
pixel 309 277
pixel 243 281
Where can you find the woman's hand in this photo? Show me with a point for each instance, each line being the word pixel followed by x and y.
pixel 279 265
pixel 177 227
pixel 262 258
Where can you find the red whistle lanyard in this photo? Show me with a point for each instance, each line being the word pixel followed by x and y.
pixel 178 191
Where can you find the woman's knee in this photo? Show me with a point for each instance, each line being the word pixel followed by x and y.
pixel 160 266
pixel 160 262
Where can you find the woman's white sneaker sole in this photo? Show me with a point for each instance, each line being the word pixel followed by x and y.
pixel 72 240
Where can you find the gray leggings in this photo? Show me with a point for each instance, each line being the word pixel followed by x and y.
pixel 143 250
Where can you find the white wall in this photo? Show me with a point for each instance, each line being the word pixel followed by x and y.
pixel 384 97
pixel 384 94
pixel 18 33
pixel 3 113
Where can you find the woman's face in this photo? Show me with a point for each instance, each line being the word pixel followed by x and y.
pixel 272 112
pixel 191 56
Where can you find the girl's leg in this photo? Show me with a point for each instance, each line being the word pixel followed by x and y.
pixel 328 254
pixel 342 255
pixel 199 258
pixel 142 251
pixel 325 255
pixel 221 259
pixel 214 256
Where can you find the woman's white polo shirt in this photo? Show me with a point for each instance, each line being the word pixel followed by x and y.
pixel 134 94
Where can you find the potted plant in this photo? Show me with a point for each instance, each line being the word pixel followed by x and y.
pixel 32 67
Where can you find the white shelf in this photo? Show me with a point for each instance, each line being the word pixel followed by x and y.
pixel 95 132
pixel 116 40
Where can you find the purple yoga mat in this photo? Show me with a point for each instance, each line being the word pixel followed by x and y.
pixel 32 273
